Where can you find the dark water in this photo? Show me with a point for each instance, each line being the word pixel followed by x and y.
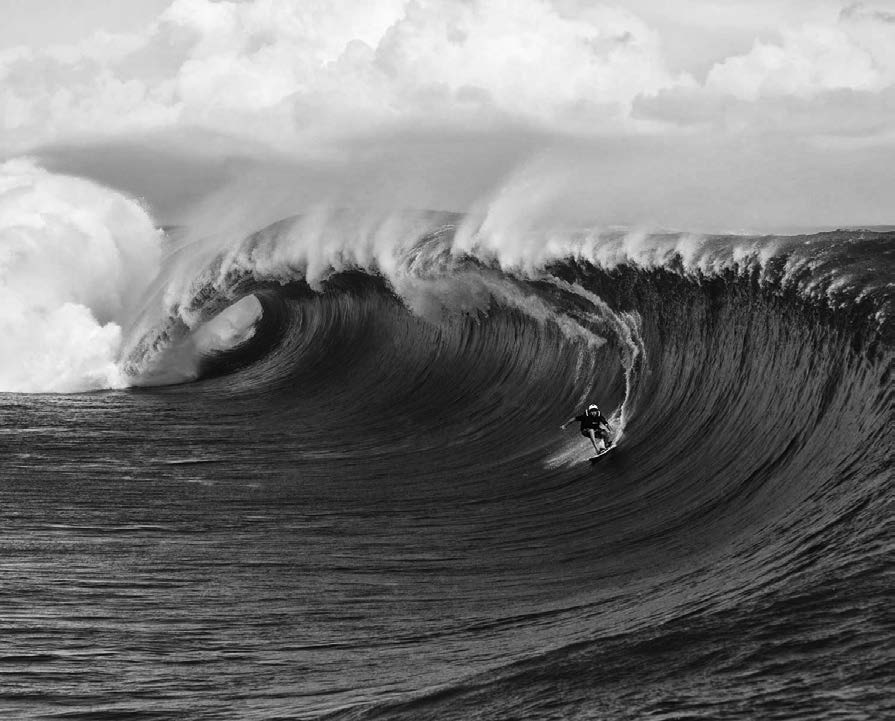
pixel 364 512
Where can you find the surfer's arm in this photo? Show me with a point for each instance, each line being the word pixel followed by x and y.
pixel 573 418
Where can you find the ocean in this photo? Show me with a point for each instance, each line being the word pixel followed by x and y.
pixel 336 487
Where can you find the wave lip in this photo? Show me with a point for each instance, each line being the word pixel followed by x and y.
pixel 440 261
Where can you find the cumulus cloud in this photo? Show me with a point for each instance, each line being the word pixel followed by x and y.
pixel 807 62
pixel 814 81
pixel 860 11
pixel 282 71
pixel 344 86
pixel 528 60
pixel 337 64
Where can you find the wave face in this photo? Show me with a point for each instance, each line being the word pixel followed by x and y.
pixel 368 417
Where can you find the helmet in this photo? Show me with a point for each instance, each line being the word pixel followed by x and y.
pixel 593 407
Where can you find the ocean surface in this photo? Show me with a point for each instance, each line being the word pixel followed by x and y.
pixel 338 488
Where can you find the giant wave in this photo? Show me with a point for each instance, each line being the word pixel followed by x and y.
pixel 408 372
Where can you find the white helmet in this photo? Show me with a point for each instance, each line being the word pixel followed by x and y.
pixel 593 407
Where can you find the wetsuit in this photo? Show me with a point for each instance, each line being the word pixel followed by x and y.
pixel 595 423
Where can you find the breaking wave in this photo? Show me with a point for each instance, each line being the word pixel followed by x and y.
pixel 747 378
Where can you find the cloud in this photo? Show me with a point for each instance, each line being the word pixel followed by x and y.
pixel 854 52
pixel 390 101
pixel 807 62
pixel 816 82
pixel 842 113
pixel 529 61
pixel 292 73
pixel 325 67
pixel 859 11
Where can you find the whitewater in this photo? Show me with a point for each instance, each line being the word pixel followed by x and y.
pixel 303 460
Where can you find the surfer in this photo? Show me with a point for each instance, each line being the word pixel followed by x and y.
pixel 594 426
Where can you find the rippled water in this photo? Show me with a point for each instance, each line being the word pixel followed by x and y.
pixel 368 512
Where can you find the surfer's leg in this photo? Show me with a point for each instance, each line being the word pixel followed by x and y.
pixel 593 439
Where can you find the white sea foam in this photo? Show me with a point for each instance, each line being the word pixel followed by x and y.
pixel 519 227
pixel 75 259
pixel 88 302
pixel 231 327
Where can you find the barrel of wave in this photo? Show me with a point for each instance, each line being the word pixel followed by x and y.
pixel 75 259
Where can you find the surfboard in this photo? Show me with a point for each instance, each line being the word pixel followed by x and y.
pixel 602 453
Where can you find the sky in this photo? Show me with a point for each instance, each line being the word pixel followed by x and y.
pixel 40 24
pixel 697 114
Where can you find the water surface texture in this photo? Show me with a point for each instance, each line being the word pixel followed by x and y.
pixel 363 507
